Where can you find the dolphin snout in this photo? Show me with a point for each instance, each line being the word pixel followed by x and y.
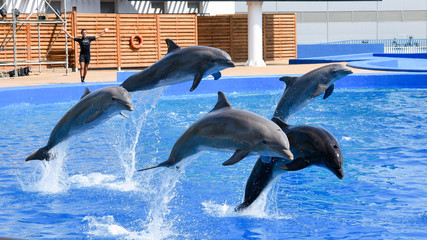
pixel 347 71
pixel 339 173
pixel 289 154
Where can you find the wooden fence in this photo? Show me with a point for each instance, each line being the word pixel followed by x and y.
pixel 229 32
pixel 113 50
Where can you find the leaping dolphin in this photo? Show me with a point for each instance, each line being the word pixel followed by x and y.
pixel 93 109
pixel 180 65
pixel 310 146
pixel 302 90
pixel 228 129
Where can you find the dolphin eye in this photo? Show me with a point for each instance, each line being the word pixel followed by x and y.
pixel 335 146
pixel 264 142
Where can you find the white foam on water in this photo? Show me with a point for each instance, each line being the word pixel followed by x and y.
pixel 107 227
pixel 47 177
pixel 100 180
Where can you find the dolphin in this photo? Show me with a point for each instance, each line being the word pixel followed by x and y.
pixel 93 109
pixel 180 65
pixel 227 129
pixel 302 90
pixel 310 146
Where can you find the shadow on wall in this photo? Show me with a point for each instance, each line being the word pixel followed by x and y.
pixel 322 50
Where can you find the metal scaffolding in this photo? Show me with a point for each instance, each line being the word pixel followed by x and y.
pixel 41 61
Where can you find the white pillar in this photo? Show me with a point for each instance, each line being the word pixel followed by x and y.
pixel 255 46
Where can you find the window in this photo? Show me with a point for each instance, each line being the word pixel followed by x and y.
pixel 193 7
pixel 107 7
pixel 55 5
pixel 158 7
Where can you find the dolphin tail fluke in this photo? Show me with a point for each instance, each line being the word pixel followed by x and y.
pixel 39 154
pixel 242 206
pixel 163 164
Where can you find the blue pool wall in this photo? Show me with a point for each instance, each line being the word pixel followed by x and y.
pixel 321 50
pixel 72 92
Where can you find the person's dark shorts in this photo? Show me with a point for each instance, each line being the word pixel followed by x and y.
pixel 85 59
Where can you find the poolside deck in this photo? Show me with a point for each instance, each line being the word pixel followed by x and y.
pixel 57 76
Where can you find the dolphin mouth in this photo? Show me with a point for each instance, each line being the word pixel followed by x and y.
pixel 127 106
pixel 346 71
pixel 230 63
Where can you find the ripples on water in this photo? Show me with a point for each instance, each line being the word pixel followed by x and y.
pixel 92 190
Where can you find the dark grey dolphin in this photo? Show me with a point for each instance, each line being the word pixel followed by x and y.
pixel 93 109
pixel 180 65
pixel 227 129
pixel 310 146
pixel 302 90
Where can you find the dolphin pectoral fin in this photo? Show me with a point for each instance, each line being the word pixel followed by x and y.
pixel 297 164
pixel 237 157
pixel 216 75
pixel 86 92
pixel 196 81
pixel 329 91
pixel 124 114
pixel 172 46
pixel 94 116
pixel 319 90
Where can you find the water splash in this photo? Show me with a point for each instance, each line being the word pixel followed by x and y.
pixel 144 103
pixel 160 188
pixel 264 207
pixel 47 177
pixel 162 183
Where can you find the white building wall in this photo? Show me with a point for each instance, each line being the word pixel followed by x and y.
pixel 314 29
pixel 213 8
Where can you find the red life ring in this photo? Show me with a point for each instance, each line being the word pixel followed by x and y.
pixel 132 41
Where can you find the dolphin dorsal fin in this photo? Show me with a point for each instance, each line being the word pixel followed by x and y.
pixel 222 102
pixel 86 92
pixel 172 46
pixel 280 123
pixel 289 80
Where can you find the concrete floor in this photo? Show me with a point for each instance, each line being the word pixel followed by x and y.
pixel 57 76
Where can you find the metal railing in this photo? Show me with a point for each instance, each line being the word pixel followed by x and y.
pixel 393 45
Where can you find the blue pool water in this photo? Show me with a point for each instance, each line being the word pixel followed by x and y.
pixel 91 189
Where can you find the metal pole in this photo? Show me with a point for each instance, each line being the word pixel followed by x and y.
pixel 14 39
pixel 377 21
pixel 40 56
pixel 66 39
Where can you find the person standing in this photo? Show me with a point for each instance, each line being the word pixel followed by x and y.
pixel 84 43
